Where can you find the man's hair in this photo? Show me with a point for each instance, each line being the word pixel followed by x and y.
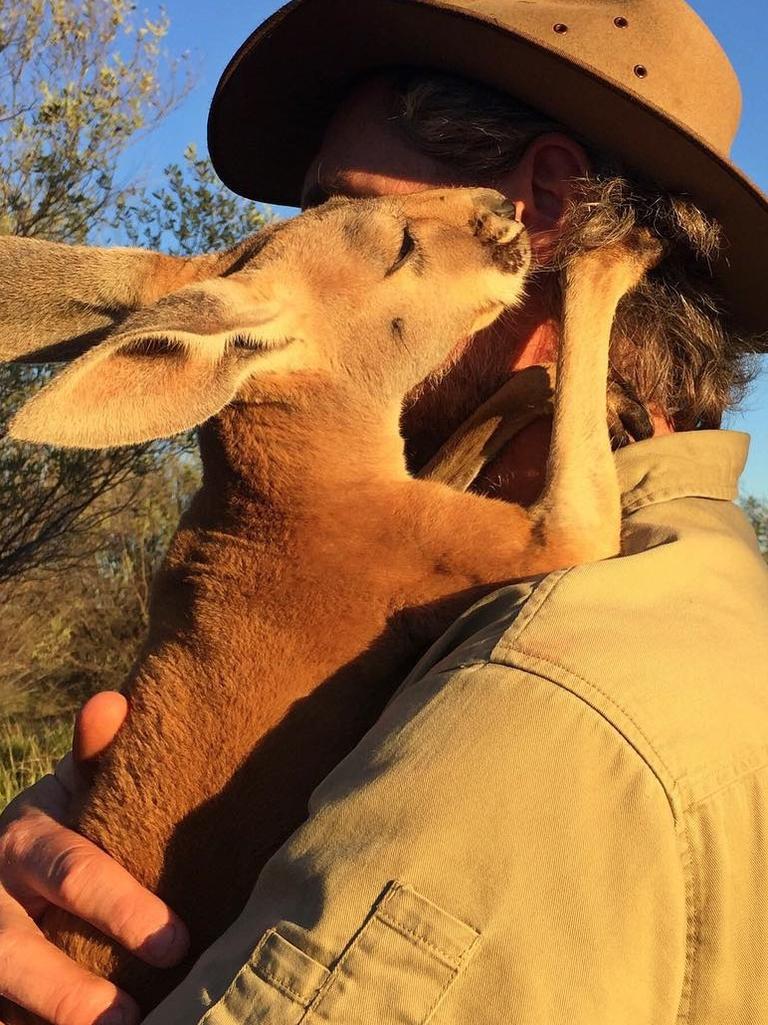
pixel 671 348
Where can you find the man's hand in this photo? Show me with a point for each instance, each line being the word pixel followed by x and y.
pixel 43 863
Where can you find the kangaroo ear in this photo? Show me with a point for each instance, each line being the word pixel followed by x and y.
pixel 159 376
pixel 58 301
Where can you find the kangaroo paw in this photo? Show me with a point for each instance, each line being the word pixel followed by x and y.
pixel 628 417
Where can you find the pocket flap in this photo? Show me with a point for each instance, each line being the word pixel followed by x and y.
pixel 288 969
pixel 418 919
pixel 399 965
pixel 274 988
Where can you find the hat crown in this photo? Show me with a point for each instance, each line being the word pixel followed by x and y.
pixel 658 50
pixel 643 80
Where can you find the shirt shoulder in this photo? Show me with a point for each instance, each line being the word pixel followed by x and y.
pixel 668 642
pixel 491 845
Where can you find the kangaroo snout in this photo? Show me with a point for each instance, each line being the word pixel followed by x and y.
pixel 498 225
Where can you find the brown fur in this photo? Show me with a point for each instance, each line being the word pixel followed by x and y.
pixel 310 571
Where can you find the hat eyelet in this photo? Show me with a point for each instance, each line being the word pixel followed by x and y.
pixel 621 22
pixel 641 71
pixel 560 28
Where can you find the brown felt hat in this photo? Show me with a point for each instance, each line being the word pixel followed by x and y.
pixel 644 79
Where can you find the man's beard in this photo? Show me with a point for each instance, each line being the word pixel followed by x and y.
pixel 439 405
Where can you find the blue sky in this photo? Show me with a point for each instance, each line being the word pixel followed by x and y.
pixel 212 34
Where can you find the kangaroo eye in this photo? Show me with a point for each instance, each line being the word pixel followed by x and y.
pixel 408 247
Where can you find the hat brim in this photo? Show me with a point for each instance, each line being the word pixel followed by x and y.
pixel 278 93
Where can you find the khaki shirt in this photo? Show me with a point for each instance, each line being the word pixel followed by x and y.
pixel 561 818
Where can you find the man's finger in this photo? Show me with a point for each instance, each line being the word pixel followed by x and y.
pixel 41 979
pixel 74 874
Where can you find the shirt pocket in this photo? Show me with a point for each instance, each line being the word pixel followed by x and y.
pixel 275 987
pixel 398 967
pixel 395 971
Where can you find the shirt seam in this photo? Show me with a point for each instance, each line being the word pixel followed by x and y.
pixel 553 668
pixel 693 923
pixel 693 895
pixel 529 608
pixel 679 819
pixel 447 661
pixel 417 938
pixel 281 985
pixel 735 781
pixel 643 499
pixel 667 786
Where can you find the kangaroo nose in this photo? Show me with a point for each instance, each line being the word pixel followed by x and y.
pixel 508 209
pixel 496 202
pixel 498 224
pixel 497 218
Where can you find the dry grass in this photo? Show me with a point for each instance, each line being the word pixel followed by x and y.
pixel 29 749
pixel 66 636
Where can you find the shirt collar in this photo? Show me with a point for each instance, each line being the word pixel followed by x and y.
pixel 691 464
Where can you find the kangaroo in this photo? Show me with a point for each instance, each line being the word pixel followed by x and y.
pixel 311 571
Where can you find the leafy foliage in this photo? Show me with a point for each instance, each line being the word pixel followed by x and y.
pixel 66 635
pixel 191 213
pixel 757 511
pixel 80 80
pixel 54 502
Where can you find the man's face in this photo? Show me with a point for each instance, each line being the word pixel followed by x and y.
pixel 363 154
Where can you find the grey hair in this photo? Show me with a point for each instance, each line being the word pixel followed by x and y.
pixel 672 346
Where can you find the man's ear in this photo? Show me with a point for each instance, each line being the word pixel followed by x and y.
pixel 174 365
pixel 542 183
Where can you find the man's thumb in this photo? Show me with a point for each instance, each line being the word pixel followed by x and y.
pixel 96 726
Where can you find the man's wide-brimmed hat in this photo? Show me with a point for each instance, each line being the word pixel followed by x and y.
pixel 643 79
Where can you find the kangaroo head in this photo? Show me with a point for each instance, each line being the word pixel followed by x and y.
pixel 377 292
pixel 381 290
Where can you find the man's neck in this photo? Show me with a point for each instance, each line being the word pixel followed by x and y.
pixel 521 339
pixel 474 372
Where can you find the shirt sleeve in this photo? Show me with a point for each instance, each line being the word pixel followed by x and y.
pixel 493 851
